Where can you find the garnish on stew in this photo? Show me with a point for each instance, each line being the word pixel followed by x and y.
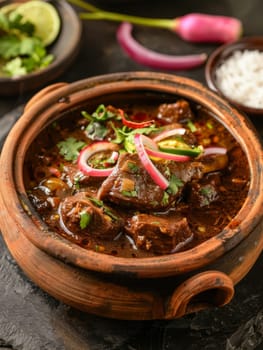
pixel 137 181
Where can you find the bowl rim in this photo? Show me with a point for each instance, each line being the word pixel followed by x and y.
pixel 224 51
pixel 71 31
pixel 14 198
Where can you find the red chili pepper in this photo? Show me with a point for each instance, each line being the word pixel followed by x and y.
pixel 134 125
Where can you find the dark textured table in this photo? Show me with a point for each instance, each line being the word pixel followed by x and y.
pixel 32 320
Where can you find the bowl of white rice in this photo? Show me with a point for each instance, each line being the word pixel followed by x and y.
pixel 235 71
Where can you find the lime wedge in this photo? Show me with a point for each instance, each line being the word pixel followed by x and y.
pixel 6 9
pixel 44 16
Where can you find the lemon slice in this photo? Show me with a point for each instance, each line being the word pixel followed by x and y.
pixel 44 16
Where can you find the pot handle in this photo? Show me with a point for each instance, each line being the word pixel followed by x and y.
pixel 45 91
pixel 204 290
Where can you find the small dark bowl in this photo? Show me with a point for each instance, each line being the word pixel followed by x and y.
pixel 220 55
pixel 65 50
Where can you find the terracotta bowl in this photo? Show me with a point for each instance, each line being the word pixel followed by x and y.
pixel 65 49
pixel 160 287
pixel 219 56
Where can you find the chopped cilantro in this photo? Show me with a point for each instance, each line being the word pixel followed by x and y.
pixel 96 201
pixel 209 124
pixel 106 210
pixel 15 22
pixel 70 148
pixel 174 185
pixel 96 131
pixel 85 219
pixel 76 182
pixel 206 191
pixel 165 199
pixel 191 126
pixel 129 193
pixel 20 50
pixel 109 213
pixel 133 167
pixel 125 135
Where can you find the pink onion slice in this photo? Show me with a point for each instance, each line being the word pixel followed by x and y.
pixel 151 58
pixel 89 151
pixel 169 133
pixel 140 140
pixel 152 149
pixel 214 150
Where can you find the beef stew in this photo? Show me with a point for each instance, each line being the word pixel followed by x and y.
pixel 137 180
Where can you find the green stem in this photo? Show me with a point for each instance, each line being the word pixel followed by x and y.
pixel 97 13
pixel 85 5
pixel 118 17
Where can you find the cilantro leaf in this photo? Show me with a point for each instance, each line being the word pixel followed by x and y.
pixel 96 131
pixel 85 219
pixel 15 21
pixel 70 148
pixel 20 50
pixel 15 67
pixel 125 135
pixel 174 185
pixel 9 46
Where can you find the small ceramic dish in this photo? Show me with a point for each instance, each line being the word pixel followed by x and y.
pixel 65 50
pixel 220 56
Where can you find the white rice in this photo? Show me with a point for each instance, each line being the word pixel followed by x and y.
pixel 240 78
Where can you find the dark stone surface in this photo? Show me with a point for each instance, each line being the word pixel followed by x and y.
pixel 32 320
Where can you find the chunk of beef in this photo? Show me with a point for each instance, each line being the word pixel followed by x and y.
pixel 80 215
pixel 179 111
pixel 130 184
pixel 74 177
pixel 201 195
pixel 161 235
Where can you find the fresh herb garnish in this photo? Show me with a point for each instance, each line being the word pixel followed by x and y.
pixel 191 126
pixel 165 199
pixel 85 219
pixel 129 193
pixel 106 210
pixel 101 113
pixel 125 135
pixel 96 131
pixel 174 185
pixel 70 148
pixel 20 50
pixel 133 167
pixel 14 22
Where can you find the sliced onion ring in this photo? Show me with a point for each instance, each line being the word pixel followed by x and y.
pixel 214 150
pixel 169 133
pixel 140 140
pixel 151 58
pixel 88 151
pixel 152 149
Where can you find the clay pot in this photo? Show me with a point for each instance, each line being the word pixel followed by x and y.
pixel 161 287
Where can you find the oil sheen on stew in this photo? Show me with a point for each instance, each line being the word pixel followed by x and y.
pixel 137 180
